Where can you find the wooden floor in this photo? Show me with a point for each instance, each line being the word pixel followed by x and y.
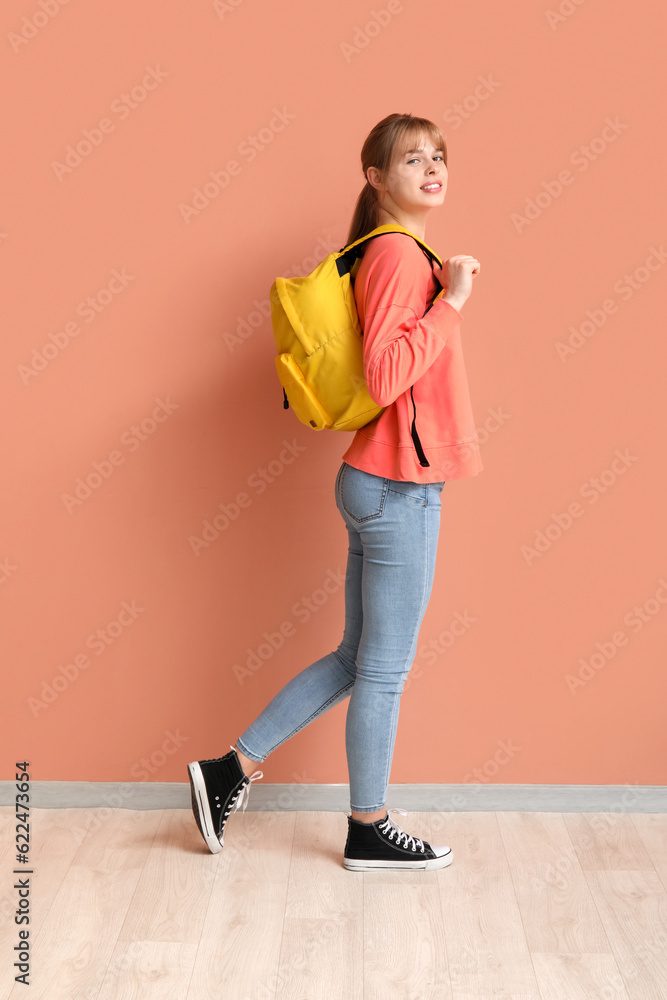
pixel 536 906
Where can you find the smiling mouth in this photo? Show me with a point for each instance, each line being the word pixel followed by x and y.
pixel 435 186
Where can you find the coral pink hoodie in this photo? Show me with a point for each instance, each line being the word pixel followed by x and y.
pixel 392 288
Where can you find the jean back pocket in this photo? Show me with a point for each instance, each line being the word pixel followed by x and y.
pixel 361 494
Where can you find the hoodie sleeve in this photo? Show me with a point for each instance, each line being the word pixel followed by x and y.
pixel 400 344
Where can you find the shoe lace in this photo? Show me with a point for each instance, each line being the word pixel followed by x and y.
pixel 390 827
pixel 243 793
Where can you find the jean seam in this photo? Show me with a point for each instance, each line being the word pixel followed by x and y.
pixel 241 745
pixel 323 708
pixel 395 711
pixel 408 496
pixel 392 729
pixel 371 810
pixel 369 517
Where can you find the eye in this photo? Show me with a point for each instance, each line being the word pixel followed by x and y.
pixel 416 158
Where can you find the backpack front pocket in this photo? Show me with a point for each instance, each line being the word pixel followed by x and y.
pixel 299 394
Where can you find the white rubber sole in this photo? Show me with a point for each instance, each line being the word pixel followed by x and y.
pixel 354 865
pixel 200 804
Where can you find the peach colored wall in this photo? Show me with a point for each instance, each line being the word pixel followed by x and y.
pixel 128 310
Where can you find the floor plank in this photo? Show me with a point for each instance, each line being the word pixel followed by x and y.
pixel 578 977
pixel 130 904
pixel 321 953
pixel 148 970
pixel 405 954
pixel 56 837
pixel 170 900
pixel 73 947
pixel 239 946
pixel 487 949
pixel 554 900
pixel 239 950
pixel 633 910
pixel 606 842
pixel 652 828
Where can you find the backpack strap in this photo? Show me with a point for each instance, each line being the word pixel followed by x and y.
pixel 423 461
pixel 347 255
pixel 345 262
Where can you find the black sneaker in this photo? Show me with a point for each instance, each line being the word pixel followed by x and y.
pixel 215 786
pixel 384 845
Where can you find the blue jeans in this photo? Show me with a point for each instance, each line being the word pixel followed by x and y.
pixel 393 530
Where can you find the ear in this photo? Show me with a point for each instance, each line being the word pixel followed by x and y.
pixel 374 177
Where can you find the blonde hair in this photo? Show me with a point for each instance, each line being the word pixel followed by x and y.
pixel 393 133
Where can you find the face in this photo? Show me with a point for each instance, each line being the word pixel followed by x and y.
pixel 416 181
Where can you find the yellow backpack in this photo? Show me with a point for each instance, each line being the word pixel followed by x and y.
pixel 319 341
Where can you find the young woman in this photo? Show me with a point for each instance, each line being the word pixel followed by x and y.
pixel 388 495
